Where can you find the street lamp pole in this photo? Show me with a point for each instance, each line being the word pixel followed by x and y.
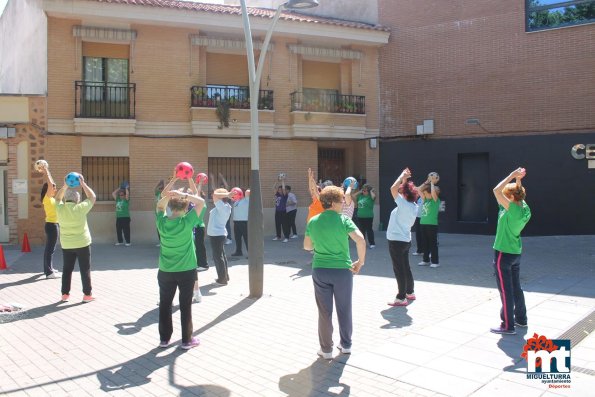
pixel 255 215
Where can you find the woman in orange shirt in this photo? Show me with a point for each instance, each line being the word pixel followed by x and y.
pixel 316 207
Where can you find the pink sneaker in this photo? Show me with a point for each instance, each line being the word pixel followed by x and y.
pixel 189 345
pixel 399 302
pixel 88 298
pixel 65 298
pixel 410 297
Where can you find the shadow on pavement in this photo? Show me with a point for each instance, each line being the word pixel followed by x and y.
pixel 137 372
pixel 32 279
pixel 41 311
pixel 397 317
pixel 149 318
pixel 512 346
pixel 320 378
pixel 230 312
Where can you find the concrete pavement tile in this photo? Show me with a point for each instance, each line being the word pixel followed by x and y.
pixel 477 327
pixel 588 342
pixel 405 353
pixel 464 369
pixel 510 344
pixel 489 359
pixel 381 365
pixel 428 344
pixel 552 394
pixel 441 382
pixel 582 385
pixel 445 334
pixel 500 387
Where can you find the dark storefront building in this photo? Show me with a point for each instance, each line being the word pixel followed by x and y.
pixel 472 90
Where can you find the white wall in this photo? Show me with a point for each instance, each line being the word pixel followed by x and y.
pixel 23 48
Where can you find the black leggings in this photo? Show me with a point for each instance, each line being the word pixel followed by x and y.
pixel 365 226
pixel 70 256
pixel 51 237
pixel 123 225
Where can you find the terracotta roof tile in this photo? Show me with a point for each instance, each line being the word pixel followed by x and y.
pixel 236 10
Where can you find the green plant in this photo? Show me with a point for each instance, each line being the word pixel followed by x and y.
pixel 222 111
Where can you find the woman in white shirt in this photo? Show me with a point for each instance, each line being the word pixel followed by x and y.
pixel 398 235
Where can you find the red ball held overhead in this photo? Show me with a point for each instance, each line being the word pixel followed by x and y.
pixel 184 170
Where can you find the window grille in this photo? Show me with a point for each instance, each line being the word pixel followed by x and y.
pixel 105 174
pixel 235 170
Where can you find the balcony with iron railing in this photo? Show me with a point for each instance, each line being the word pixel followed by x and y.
pixel 105 100
pixel 323 113
pixel 237 97
pixel 224 110
pixel 327 102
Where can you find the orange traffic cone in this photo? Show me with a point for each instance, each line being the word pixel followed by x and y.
pixel 25 247
pixel 2 259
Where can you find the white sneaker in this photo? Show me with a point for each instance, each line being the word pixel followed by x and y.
pixel 119 244
pixel 128 244
pixel 417 254
pixel 435 265
pixel 158 245
pixel 343 349
pixel 285 240
pixel 55 274
pixel 372 246
pixel 326 356
pixel 294 236
pixel 276 239
pixel 228 241
pixel 197 298
pixel 422 263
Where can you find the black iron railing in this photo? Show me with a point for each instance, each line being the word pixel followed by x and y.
pixel 328 102
pixel 238 97
pixel 105 100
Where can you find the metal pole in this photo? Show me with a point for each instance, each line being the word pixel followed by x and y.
pixel 255 215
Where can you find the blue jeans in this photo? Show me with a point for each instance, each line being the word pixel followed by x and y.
pixel 507 271
pixel 337 284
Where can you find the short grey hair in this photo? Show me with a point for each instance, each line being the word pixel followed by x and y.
pixel 72 195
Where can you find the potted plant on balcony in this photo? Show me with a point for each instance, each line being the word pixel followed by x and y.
pixel 222 111
pixel 200 96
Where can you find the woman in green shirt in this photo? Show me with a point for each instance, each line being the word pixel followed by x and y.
pixel 365 212
pixel 332 269
pixel 177 260
pixel 122 197
pixel 513 215
pixel 428 223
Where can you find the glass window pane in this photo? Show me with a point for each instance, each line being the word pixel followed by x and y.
pixel 117 70
pixel 544 14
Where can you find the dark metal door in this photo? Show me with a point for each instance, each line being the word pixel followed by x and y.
pixel 473 187
pixel 331 165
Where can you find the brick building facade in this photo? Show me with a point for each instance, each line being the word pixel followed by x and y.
pixel 138 84
pixel 499 96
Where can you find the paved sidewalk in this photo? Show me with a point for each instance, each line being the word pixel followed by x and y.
pixel 440 345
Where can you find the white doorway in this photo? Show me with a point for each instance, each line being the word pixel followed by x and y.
pixel 4 232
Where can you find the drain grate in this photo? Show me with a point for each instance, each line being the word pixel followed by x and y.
pixel 580 330
pixel 583 370
pixel 577 333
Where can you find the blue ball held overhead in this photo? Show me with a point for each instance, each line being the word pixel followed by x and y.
pixel 350 181
pixel 73 179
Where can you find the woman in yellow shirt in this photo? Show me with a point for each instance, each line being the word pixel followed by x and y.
pixel 48 191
